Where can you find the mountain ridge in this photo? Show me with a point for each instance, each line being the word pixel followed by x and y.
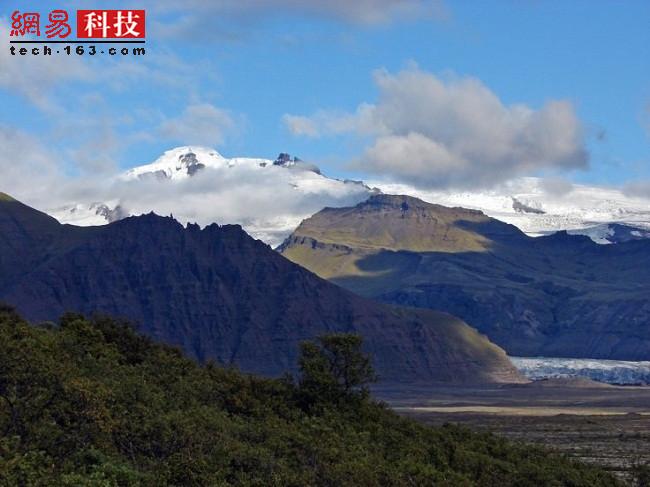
pixel 561 295
pixel 299 189
pixel 220 294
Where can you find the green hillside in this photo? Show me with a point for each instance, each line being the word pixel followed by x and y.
pixel 556 296
pixel 335 242
pixel 92 403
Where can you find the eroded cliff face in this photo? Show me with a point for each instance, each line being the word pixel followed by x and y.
pixel 561 295
pixel 221 295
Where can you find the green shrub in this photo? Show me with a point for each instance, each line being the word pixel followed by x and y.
pixel 92 403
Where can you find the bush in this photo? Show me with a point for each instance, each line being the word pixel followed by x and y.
pixel 92 403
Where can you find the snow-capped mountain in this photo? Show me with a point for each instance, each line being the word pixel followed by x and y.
pixel 269 198
pixel 185 162
pixel 92 214
pixel 606 215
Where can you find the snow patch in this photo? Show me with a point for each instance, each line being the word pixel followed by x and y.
pixel 584 210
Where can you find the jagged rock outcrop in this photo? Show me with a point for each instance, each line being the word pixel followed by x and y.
pixel 221 295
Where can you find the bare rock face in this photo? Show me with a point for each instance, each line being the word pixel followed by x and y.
pixel 556 296
pixel 111 214
pixel 189 163
pixel 221 295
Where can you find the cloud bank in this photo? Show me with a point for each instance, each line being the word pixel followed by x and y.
pixel 268 200
pixel 455 132
pixel 639 189
pixel 269 204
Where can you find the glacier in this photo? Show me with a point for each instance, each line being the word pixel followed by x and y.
pixel 269 198
pixel 593 211
pixel 607 371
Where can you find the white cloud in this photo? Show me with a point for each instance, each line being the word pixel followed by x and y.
pixel 556 186
pixel 199 124
pixel 639 189
pixel 34 77
pixel 416 155
pixel 266 202
pixel 97 146
pixel 27 170
pixel 50 81
pixel 453 132
pixel 269 202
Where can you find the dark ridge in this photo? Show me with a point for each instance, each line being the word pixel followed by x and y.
pixel 222 295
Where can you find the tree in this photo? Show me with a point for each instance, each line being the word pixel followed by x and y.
pixel 335 368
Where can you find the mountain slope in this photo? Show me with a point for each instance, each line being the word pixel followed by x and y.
pixel 560 295
pixel 24 235
pixel 222 295
pixel 92 403
pixel 370 225
pixel 540 207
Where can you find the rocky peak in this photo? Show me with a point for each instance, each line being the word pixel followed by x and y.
pixel 393 201
pixel 285 159
pixel 110 214
pixel 522 207
pixel 409 206
pixel 190 163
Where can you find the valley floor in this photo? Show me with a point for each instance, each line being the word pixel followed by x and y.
pixel 605 425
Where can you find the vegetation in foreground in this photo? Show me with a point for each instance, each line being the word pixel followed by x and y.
pixel 90 402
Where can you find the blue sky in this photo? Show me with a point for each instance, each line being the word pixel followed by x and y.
pixel 227 76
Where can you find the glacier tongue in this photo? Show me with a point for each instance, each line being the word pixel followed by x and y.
pixel 608 371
